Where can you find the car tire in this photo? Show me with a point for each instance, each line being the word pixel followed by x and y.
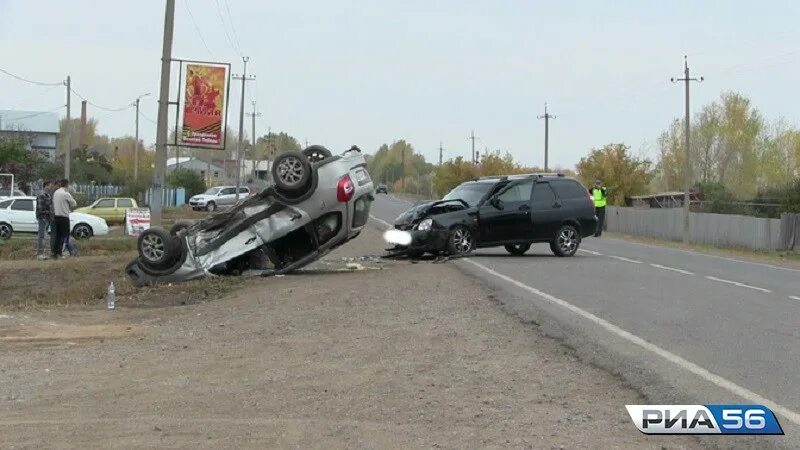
pixel 82 231
pixel 5 231
pixel 566 242
pixel 179 226
pixel 317 153
pixel 291 172
pixel 517 249
pixel 156 248
pixel 460 241
pixel 211 207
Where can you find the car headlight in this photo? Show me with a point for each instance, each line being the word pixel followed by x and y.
pixel 425 225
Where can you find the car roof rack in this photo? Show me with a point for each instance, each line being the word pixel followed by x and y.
pixel 520 175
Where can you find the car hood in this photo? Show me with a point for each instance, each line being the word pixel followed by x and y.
pixel 426 209
pixel 202 197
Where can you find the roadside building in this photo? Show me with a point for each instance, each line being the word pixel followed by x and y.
pixel 212 174
pixel 38 129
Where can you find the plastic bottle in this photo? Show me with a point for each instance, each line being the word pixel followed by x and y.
pixel 112 297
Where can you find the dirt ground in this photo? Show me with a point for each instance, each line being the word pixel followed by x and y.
pixel 394 355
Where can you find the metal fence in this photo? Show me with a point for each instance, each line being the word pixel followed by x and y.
pixel 704 228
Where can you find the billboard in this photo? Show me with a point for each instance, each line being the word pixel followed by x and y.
pixel 205 91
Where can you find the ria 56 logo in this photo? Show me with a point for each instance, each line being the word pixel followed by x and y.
pixel 704 419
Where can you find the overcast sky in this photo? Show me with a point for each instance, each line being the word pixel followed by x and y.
pixel 368 72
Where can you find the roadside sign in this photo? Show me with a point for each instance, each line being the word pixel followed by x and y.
pixel 136 220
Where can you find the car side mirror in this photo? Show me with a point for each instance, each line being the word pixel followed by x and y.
pixel 496 202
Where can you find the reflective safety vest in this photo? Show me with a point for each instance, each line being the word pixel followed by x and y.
pixel 599 198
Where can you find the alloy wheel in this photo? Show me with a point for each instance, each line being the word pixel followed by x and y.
pixel 291 171
pixel 152 247
pixel 567 240
pixel 5 231
pixel 462 240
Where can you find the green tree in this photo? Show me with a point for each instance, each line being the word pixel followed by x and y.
pixel 623 174
pixel 187 179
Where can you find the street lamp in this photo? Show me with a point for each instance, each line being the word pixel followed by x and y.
pixel 136 144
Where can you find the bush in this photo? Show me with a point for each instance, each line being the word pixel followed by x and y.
pixel 188 180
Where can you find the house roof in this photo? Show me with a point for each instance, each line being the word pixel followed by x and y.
pixel 181 160
pixel 34 121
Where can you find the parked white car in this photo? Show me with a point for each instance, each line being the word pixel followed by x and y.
pixel 18 215
pixel 218 196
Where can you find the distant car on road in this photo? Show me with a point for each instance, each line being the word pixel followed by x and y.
pixel 512 211
pixel 382 189
pixel 18 215
pixel 217 196
pixel 110 209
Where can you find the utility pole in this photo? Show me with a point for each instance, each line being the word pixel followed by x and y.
pixel 306 143
pixel 440 152
pixel 163 109
pixel 474 155
pixel 244 79
pixel 547 116
pixel 67 156
pixel 687 167
pixel 253 116
pixel 136 143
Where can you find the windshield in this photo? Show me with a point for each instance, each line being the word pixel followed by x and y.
pixel 212 191
pixel 471 193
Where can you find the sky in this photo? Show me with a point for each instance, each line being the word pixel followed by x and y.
pixel 340 73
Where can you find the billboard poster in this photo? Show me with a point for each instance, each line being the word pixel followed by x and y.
pixel 204 105
pixel 136 220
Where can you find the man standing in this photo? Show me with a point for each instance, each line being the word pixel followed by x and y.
pixel 599 196
pixel 44 216
pixel 62 206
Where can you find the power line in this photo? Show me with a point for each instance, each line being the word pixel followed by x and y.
pixel 121 108
pixel 38 83
pixel 147 118
pixel 233 28
pixel 224 27
pixel 197 28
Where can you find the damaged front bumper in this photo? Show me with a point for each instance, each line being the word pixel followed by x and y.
pixel 428 241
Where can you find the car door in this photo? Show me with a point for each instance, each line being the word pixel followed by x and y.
pixel 546 212
pixel 227 196
pixel 122 206
pixel 23 215
pixel 506 217
pixel 104 208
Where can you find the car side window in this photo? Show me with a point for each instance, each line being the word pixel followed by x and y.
pixel 543 196
pixel 244 190
pixel 124 203
pixel 22 205
pixel 5 204
pixel 520 192
pixel 567 189
pixel 228 191
pixel 105 203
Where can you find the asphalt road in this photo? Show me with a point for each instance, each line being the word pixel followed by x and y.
pixel 681 326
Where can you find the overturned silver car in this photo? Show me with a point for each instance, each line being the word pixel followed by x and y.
pixel 316 203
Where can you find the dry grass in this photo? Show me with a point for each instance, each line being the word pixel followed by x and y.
pixel 25 247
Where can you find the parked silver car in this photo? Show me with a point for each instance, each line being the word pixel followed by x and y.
pixel 217 196
pixel 318 202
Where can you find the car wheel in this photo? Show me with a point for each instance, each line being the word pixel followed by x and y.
pixel 179 226
pixel 316 153
pixel 5 231
pixel 292 173
pixel 517 249
pixel 156 248
pixel 82 231
pixel 567 241
pixel 211 207
pixel 460 241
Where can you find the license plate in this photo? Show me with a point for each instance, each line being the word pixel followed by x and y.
pixel 362 177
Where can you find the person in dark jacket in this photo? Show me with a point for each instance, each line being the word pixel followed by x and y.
pixel 44 217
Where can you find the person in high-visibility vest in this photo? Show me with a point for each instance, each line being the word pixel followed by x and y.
pixel 599 196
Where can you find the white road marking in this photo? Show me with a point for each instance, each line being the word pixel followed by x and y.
pixel 736 283
pixel 622 258
pixel 770 266
pixel 687 365
pixel 590 252
pixel 794 297
pixel 659 266
pixel 381 221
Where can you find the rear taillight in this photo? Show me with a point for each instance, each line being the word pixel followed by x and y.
pixel 345 189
